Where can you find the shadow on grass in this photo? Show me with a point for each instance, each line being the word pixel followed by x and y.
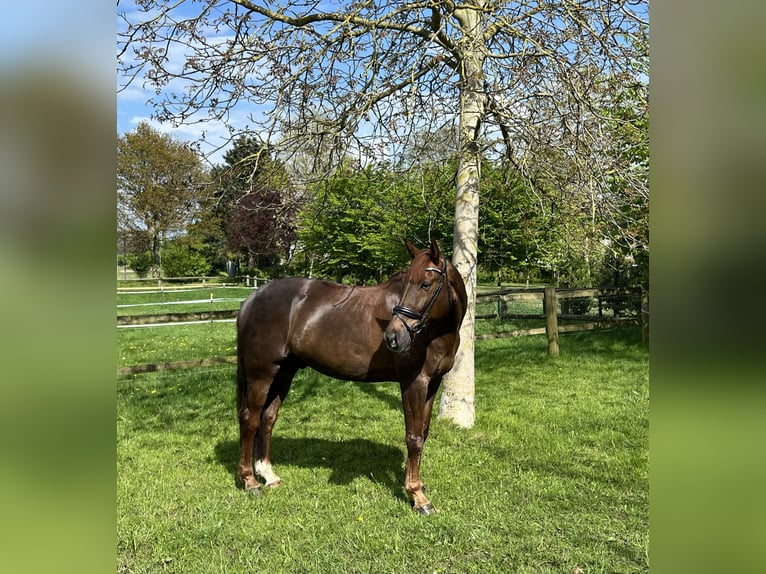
pixel 373 390
pixel 347 459
pixel 310 385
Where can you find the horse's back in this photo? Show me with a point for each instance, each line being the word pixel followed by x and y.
pixel 275 297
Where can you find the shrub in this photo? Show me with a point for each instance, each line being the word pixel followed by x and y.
pixel 576 305
pixel 180 258
pixel 141 263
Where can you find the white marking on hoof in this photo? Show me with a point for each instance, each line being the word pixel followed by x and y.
pixel 265 470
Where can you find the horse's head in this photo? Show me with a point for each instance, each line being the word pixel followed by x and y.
pixel 426 296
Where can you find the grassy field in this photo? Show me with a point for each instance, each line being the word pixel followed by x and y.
pixel 553 477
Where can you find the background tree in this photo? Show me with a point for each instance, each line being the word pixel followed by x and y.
pixel 257 229
pixel 347 227
pixel 361 80
pixel 257 192
pixel 253 204
pixel 509 224
pixel 159 183
pixel 627 198
pixel 184 256
pixel 135 245
pixel 588 170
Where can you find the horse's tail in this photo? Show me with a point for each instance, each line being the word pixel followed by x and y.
pixel 241 384
pixel 241 372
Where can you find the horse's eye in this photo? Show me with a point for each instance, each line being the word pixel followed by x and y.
pixel 425 285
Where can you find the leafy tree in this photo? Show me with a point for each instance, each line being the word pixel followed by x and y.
pixel 258 228
pixel 595 202
pixel 183 257
pixel 509 224
pixel 627 215
pixel 207 232
pixel 250 212
pixel 140 262
pixel 352 225
pixel 343 232
pixel 359 81
pixel 159 181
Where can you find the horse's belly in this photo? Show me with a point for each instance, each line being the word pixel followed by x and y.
pixel 347 359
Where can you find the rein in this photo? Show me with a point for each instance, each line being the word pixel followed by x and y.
pixel 401 311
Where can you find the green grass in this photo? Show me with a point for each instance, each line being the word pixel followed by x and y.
pixel 151 345
pixel 552 478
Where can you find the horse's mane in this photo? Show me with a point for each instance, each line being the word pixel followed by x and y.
pixel 335 285
pixel 398 276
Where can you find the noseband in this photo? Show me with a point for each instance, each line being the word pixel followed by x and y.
pixel 400 311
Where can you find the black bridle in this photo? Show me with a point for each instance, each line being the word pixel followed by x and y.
pixel 401 311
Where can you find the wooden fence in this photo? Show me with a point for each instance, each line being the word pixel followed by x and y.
pixel 168 318
pixel 631 298
pixel 183 283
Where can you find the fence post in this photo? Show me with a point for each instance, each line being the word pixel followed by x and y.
pixel 502 307
pixel 551 320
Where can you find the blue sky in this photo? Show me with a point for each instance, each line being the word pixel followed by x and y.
pixel 132 107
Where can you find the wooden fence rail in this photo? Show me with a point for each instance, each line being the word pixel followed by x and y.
pixel 162 318
pixel 182 283
pixel 602 295
pixel 168 366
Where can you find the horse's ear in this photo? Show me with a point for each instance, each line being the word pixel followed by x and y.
pixel 411 249
pixel 435 252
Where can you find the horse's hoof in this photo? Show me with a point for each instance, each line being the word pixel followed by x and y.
pixel 274 484
pixel 426 510
pixel 257 491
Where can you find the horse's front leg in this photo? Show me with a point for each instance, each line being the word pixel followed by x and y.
pixel 417 402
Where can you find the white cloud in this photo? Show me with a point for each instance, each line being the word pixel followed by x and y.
pixel 210 135
pixel 132 94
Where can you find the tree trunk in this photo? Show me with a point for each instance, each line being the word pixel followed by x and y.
pixel 457 399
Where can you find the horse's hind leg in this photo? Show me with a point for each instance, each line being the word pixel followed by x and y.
pixel 252 394
pixel 277 394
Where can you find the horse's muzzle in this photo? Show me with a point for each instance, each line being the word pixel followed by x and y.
pixel 397 338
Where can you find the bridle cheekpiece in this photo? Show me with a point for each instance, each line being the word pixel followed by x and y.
pixel 401 311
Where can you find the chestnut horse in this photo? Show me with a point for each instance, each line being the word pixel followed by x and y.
pixel 404 330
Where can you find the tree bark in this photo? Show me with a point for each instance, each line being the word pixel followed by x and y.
pixel 457 399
